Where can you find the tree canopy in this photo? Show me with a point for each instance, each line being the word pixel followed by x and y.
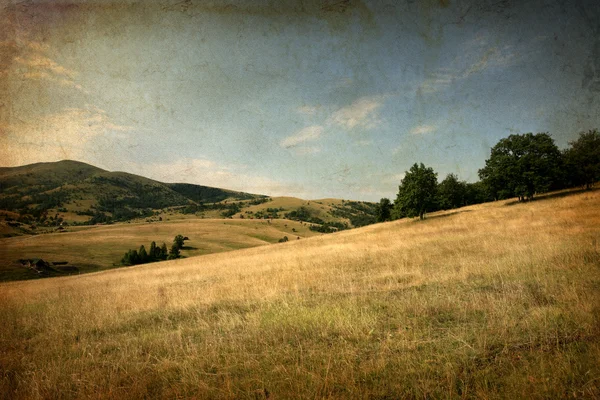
pixel 451 193
pixel 416 194
pixel 583 159
pixel 384 210
pixel 522 165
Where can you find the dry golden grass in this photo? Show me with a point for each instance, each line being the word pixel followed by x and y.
pixel 492 301
pixel 99 247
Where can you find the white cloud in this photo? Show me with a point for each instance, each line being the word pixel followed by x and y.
pixel 310 133
pixel 56 136
pixel 34 63
pixel 362 113
pixel 209 173
pixel 422 129
pixel 492 57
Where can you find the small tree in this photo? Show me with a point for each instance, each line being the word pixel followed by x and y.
pixel 163 252
pixel 143 255
pixel 416 194
pixel 451 193
pixel 583 160
pixel 174 253
pixel 384 210
pixel 178 241
pixel 153 254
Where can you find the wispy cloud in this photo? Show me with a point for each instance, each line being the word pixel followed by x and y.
pixel 422 129
pixel 207 172
pixel 53 137
pixel 436 82
pixel 310 133
pixel 478 56
pixel 493 57
pixel 361 113
pixel 34 63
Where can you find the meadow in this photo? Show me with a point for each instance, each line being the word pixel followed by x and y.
pixel 498 300
pixel 94 248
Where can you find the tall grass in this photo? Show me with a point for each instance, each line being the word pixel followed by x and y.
pixel 493 301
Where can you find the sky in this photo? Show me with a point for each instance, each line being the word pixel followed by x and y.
pixel 313 99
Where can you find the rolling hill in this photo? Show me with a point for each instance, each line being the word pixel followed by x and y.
pixel 78 191
pixel 46 196
pixel 498 300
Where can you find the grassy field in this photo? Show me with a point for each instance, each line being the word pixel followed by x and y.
pixel 490 301
pixel 96 248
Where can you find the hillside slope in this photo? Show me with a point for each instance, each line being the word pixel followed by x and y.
pixel 490 301
pixel 95 248
pixel 78 191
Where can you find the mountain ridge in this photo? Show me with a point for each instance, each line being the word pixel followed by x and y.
pixel 84 189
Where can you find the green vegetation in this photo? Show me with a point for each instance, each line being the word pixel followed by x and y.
pixel 519 166
pixel 417 192
pixel 582 160
pixel 76 189
pixel 141 256
pixel 522 165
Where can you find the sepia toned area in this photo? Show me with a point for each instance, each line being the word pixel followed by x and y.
pixel 255 199
pixel 311 99
pixel 493 301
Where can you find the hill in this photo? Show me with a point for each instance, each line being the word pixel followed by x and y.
pixel 77 192
pixel 498 300
pixel 96 248
pixel 42 197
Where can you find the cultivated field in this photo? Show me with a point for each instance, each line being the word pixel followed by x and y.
pixel 490 301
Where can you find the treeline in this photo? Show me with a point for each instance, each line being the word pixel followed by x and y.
pixel 155 253
pixel 519 166
pixel 359 213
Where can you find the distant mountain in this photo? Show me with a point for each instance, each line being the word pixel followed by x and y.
pixel 80 191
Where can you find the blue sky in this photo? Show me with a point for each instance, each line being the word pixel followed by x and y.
pixel 304 98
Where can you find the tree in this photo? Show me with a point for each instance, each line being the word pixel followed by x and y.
pixel 178 241
pixel 131 258
pixel 384 210
pixel 174 253
pixel 154 252
pixel 476 193
pixel 163 252
pixel 583 160
pixel 451 193
pixel 416 194
pixel 143 255
pixel 522 165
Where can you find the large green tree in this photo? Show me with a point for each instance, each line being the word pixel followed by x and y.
pixel 583 160
pixel 416 194
pixel 451 192
pixel 522 165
